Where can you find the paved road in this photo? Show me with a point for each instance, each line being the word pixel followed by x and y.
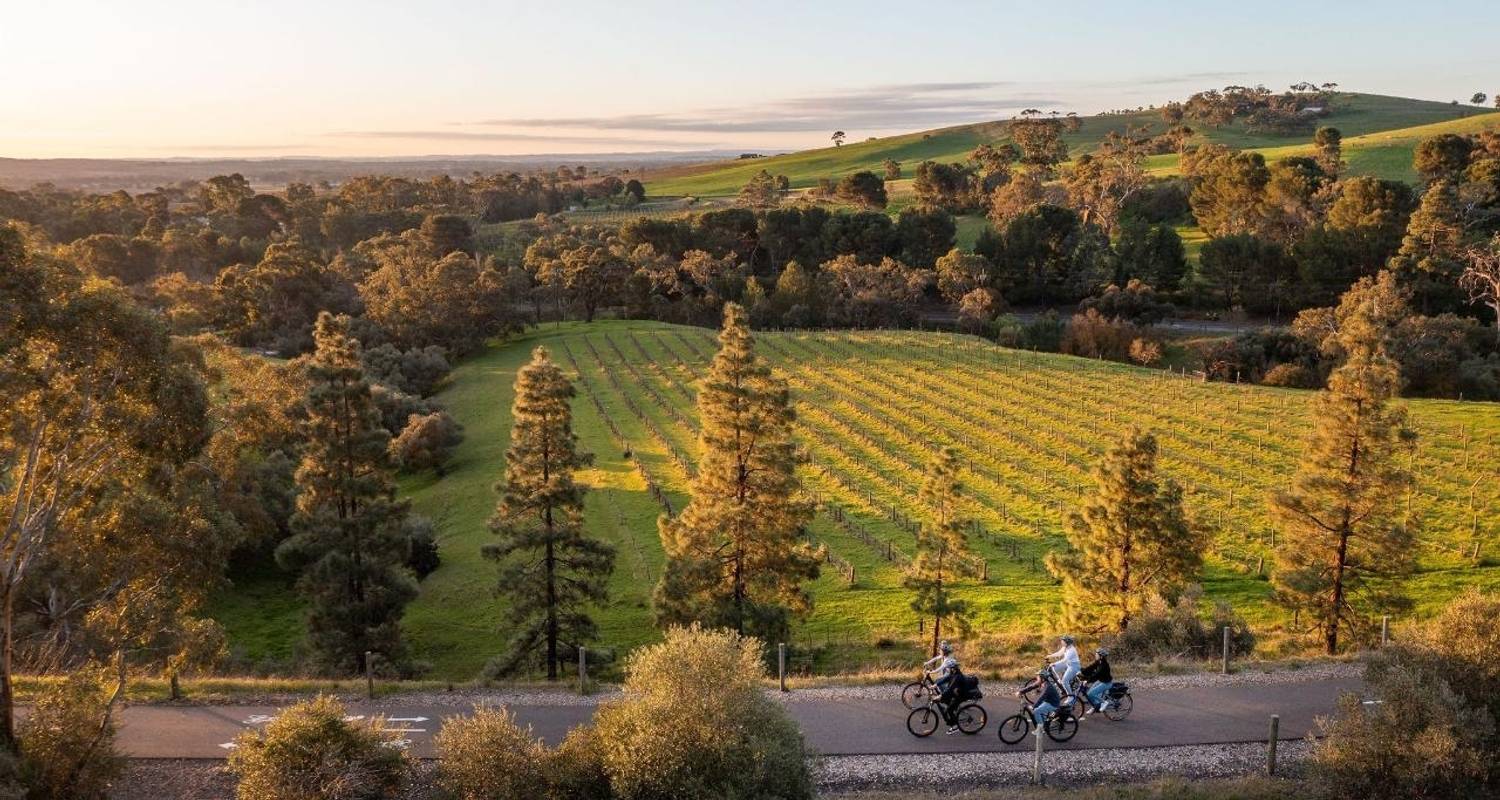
pixel 1207 715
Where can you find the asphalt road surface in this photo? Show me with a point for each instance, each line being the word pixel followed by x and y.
pixel 1200 715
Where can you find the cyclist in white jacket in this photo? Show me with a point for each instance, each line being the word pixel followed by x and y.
pixel 1065 664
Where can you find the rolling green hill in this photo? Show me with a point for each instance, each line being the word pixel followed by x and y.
pixel 1379 135
pixel 873 407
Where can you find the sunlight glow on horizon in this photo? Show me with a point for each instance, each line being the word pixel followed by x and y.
pixel 164 78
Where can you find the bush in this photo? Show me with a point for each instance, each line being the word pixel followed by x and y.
pixel 1091 335
pixel 422 556
pixel 1292 376
pixel 487 756
pixel 310 752
pixel 1174 630
pixel 1044 334
pixel 1137 302
pixel 67 744
pixel 1251 355
pixel 1438 725
pixel 667 737
pixel 426 442
pixel 575 770
pixel 397 407
pixel 417 371
pixel 1421 741
pixel 1145 352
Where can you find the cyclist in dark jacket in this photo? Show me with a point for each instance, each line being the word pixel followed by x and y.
pixel 1097 674
pixel 1050 700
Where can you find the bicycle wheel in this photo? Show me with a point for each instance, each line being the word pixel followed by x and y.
pixel 1061 727
pixel 1015 727
pixel 914 695
pixel 972 719
pixel 922 721
pixel 1118 708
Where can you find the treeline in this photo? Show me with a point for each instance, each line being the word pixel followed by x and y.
pixel 198 228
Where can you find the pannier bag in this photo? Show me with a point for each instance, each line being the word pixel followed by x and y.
pixel 971 688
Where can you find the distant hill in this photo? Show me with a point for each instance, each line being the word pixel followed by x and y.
pixel 137 175
pixel 1379 135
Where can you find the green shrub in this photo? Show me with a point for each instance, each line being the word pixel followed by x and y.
pixel 1421 741
pixel 1165 630
pixel 1437 727
pixel 487 756
pixel 694 723
pixel 67 744
pixel 310 752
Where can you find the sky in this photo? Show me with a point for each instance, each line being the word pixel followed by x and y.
pixel 269 78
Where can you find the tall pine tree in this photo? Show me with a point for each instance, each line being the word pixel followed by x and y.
pixel 549 570
pixel 1343 552
pixel 347 543
pixel 735 556
pixel 1131 541
pixel 943 554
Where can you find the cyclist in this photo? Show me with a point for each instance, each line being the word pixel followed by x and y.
pixel 1098 675
pixel 1066 658
pixel 944 670
pixel 1050 700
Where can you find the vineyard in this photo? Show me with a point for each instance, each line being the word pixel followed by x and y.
pixel 873 407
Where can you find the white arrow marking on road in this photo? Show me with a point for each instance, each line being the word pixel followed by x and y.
pixel 406 719
pixel 404 730
pixel 259 719
pixel 229 745
pixel 1373 702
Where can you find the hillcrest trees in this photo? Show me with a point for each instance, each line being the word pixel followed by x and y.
pixel 550 571
pixel 735 555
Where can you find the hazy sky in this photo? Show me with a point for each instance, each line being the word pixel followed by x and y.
pixel 330 77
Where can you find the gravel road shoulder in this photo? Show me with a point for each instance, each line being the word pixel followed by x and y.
pixel 1061 768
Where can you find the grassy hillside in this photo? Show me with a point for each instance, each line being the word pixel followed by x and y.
pixel 1379 132
pixel 873 407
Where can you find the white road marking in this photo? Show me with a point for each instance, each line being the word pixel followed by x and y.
pixel 406 719
pixel 229 745
pixel 259 719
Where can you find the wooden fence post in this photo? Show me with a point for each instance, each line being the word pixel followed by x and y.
pixel 1271 745
pixel 781 664
pixel 369 674
pixel 1385 630
pixel 1036 763
pixel 583 670
pixel 1226 649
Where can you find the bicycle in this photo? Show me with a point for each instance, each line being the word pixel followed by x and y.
pixel 918 693
pixel 1060 725
pixel 970 717
pixel 1117 701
